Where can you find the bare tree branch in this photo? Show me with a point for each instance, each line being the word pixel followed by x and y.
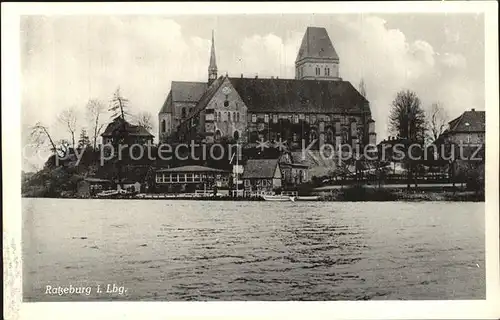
pixel 95 109
pixel 145 120
pixel 38 135
pixel 436 121
pixel 68 118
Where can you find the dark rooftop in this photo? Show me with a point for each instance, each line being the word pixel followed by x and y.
pixel 316 44
pixel 260 168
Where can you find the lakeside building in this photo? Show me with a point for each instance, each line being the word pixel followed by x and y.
pixel 190 179
pixel 120 129
pixel 293 172
pixel 262 176
pixel 317 105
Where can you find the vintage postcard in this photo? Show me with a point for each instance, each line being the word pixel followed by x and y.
pixel 301 160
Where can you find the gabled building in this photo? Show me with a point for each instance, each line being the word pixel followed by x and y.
pixel 121 131
pixel 315 106
pixel 468 128
pixel 262 175
pixel 190 179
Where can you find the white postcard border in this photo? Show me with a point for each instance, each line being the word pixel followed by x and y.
pixel 11 143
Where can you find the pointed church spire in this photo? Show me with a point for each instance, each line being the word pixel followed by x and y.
pixel 212 67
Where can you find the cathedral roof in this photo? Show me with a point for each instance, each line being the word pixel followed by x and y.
pixel 184 91
pixel 316 44
pixel 208 94
pixel 306 96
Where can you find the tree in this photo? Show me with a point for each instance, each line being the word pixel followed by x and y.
pixel 119 105
pixel 94 110
pixel 436 121
pixel 362 87
pixel 39 135
pixel 68 119
pixel 407 118
pixel 145 120
pixel 83 141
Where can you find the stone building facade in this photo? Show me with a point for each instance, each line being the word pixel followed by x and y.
pixel 315 106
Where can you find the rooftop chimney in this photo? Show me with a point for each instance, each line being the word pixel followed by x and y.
pixel 256 76
pixel 473 109
pixel 242 75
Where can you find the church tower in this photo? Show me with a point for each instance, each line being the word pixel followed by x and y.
pixel 212 67
pixel 317 58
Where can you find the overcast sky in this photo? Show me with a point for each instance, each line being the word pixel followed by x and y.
pixel 68 60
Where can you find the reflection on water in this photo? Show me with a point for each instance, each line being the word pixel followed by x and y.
pixel 188 250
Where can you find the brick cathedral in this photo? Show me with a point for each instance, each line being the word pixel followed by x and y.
pixel 316 105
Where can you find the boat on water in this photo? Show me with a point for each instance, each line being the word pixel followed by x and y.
pixel 307 198
pixel 278 198
pixel 113 194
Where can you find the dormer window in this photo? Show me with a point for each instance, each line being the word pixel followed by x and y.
pixel 266 118
pixel 254 118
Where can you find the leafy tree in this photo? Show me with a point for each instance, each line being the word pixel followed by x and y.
pixel 407 118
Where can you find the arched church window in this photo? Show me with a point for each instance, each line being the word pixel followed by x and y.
pixel 163 125
pixel 237 117
pixel 183 113
pixel 236 135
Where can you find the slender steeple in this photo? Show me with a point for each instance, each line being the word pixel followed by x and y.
pixel 212 68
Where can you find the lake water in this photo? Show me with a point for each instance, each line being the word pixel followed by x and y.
pixel 170 250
